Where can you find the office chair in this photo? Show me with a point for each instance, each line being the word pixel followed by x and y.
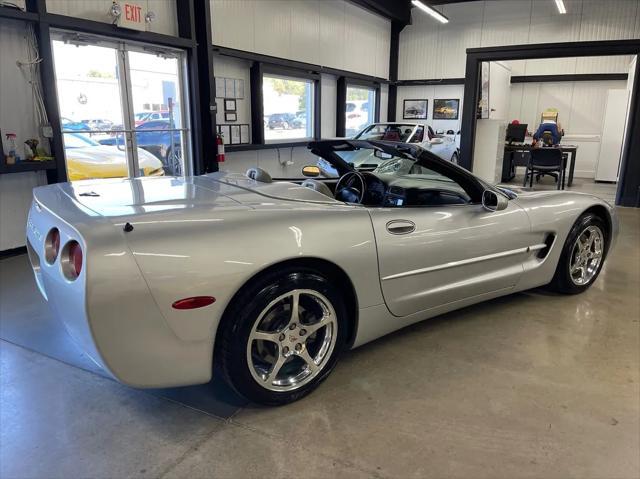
pixel 545 161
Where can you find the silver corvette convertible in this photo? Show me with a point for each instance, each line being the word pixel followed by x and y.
pixel 159 278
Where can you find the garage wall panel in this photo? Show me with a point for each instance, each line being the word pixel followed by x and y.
pixel 329 86
pixel 331 33
pixel 15 96
pixel 98 11
pixel 305 30
pixel 235 25
pixel 430 50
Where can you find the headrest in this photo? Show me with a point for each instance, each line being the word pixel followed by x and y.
pixel 258 174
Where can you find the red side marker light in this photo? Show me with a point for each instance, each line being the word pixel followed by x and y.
pixel 193 302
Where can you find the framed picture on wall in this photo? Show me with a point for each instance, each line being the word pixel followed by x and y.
pixel 446 109
pixel 225 131
pixel 235 134
pixel 229 105
pixel 415 109
pixel 230 116
pixel 244 134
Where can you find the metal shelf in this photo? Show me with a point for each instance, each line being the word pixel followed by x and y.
pixel 24 166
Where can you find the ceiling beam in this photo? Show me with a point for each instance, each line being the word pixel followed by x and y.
pixel 394 10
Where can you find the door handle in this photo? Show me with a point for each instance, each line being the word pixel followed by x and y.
pixel 401 227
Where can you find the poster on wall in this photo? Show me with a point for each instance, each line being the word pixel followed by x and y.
pixel 239 87
pixel 244 134
pixel 225 131
pixel 219 87
pixel 229 88
pixel 235 135
pixel 446 109
pixel 414 109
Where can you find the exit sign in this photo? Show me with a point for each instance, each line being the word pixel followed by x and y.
pixel 132 15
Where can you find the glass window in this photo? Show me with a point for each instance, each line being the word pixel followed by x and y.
pixel 360 109
pixel 392 132
pixel 288 108
pixel 156 91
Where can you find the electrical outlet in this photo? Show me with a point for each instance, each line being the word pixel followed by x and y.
pixel 47 131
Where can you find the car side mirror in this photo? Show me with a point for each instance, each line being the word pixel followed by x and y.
pixel 436 141
pixel 311 171
pixel 492 201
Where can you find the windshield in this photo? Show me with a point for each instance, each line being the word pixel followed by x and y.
pixel 386 132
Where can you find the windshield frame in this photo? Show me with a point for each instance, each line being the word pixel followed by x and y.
pixel 327 149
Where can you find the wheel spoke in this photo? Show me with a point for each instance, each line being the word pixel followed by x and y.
pixel 275 369
pixel 304 354
pixel 265 336
pixel 312 328
pixel 295 307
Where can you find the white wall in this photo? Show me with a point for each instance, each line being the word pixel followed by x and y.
pixel 430 50
pixel 332 33
pixel 16 116
pixel 225 67
pixel 581 108
pixel 431 92
pixel 98 10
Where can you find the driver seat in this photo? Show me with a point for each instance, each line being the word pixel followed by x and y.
pixel 318 186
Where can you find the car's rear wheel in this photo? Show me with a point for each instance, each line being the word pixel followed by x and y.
pixel 174 160
pixel 582 255
pixel 282 336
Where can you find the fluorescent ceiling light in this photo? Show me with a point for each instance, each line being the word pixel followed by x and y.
pixel 432 11
pixel 560 5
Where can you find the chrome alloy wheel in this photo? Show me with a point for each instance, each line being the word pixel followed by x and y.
pixel 292 340
pixel 586 255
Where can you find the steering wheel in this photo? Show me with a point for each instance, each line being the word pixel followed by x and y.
pixel 351 187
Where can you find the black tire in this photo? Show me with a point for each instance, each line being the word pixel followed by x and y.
pixel 562 281
pixel 174 162
pixel 238 322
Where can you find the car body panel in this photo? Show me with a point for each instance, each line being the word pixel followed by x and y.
pixel 148 242
pixel 471 251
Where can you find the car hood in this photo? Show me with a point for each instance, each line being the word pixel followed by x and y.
pixel 103 154
pixel 185 197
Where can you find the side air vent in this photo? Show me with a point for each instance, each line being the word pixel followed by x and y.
pixel 548 241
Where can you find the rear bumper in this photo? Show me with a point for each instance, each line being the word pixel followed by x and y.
pixel 109 311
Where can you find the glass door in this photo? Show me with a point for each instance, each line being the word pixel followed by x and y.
pixel 122 109
pixel 159 106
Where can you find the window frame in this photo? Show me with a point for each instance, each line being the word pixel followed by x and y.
pixel 257 73
pixel 122 49
pixel 343 83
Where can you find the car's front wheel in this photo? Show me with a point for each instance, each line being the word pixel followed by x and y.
pixel 582 255
pixel 282 336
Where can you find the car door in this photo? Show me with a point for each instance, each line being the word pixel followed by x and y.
pixel 430 256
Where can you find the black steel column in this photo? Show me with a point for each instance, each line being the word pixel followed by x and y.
pixel 202 81
pixel 469 110
pixel 394 52
pixel 341 107
pixel 628 193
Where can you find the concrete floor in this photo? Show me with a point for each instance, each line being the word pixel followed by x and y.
pixel 530 385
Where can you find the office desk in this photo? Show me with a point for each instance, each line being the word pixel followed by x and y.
pixel 508 167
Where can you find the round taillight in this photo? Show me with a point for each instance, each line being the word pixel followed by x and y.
pixel 72 260
pixel 52 245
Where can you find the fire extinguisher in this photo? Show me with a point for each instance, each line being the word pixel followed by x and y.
pixel 220 143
